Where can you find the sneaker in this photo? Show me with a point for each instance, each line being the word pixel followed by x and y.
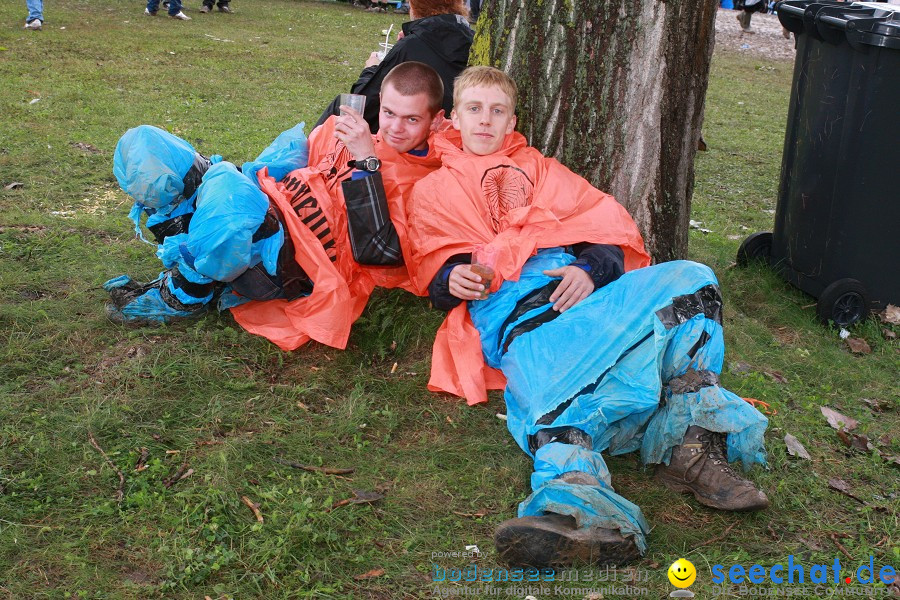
pixel 180 16
pixel 699 467
pixel 226 9
pixel 149 13
pixel 204 9
pixel 554 540
pixel 34 24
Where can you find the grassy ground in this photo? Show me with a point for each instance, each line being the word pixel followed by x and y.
pixel 206 396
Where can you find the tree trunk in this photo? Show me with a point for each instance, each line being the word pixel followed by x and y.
pixel 614 89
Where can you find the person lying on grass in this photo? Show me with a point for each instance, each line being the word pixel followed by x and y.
pixel 546 279
pixel 300 256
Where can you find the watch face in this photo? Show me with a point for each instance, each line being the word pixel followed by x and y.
pixel 371 164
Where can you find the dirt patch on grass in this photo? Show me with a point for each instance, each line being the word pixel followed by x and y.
pixel 768 41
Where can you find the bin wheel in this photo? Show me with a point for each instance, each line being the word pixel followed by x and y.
pixel 845 302
pixel 756 248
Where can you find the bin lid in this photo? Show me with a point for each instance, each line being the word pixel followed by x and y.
pixel 869 23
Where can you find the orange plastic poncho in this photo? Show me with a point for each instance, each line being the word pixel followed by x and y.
pixel 518 201
pixel 341 285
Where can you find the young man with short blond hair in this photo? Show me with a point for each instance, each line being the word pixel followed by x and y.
pixel 596 349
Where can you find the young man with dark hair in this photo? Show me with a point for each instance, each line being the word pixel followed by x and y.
pixel 304 265
pixel 596 349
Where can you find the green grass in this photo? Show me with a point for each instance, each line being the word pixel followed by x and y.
pixel 227 404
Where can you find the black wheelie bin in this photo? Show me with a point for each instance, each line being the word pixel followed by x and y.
pixel 837 218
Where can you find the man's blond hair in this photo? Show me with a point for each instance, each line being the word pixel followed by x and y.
pixel 485 76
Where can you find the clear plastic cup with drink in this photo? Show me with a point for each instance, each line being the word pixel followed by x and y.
pixel 484 261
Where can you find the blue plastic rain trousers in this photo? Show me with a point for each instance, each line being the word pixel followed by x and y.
pixel 594 378
pixel 160 171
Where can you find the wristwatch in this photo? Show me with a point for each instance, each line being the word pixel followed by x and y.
pixel 371 164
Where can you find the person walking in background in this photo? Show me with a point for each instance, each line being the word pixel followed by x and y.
pixel 747 8
pixel 223 6
pixel 174 7
pixel 35 20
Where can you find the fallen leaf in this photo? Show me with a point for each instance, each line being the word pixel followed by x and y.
pixel 86 147
pixel 858 346
pixel 885 440
pixel 891 314
pixel 369 574
pixel 892 459
pixel 853 440
pixel 14 185
pixel 776 376
pixel 254 507
pixel 475 515
pixel 359 497
pixel 888 334
pixel 876 405
pixel 837 420
pixel 843 487
pixel 894 586
pixel 739 366
pixel 811 545
pixel 795 448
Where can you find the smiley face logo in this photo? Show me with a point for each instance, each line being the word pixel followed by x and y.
pixel 682 573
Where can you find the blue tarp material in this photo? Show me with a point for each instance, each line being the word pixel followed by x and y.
pixel 219 245
pixel 288 152
pixel 600 367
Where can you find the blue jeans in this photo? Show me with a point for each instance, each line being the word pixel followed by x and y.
pixel 174 6
pixel 35 9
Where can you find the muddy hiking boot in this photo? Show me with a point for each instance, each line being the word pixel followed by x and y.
pixel 699 466
pixel 150 303
pixel 554 540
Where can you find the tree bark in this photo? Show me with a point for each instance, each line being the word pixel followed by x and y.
pixel 615 90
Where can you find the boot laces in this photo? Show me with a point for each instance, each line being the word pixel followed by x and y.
pixel 712 446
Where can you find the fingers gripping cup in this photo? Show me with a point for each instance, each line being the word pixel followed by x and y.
pixel 355 101
pixel 484 261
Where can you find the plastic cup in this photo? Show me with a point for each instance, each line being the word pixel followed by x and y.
pixel 385 48
pixel 355 101
pixel 484 260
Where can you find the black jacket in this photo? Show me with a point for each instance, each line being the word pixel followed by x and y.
pixel 442 42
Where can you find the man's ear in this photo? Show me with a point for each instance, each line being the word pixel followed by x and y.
pixel 437 121
pixel 454 118
pixel 511 126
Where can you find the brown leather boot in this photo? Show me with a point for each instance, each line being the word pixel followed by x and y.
pixel 554 540
pixel 699 467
